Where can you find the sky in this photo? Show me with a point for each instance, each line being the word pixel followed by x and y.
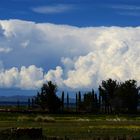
pixel 74 43
pixel 74 12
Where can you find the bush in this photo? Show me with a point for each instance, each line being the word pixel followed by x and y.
pixel 44 119
pixel 83 120
pixel 24 118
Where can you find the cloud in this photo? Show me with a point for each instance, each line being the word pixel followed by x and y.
pixel 136 14
pixel 5 50
pixel 127 10
pixel 1 66
pixel 59 8
pixel 55 76
pixel 73 57
pixel 26 78
pixel 126 7
pixel 31 77
pixel 25 43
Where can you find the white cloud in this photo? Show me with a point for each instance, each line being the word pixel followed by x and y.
pixel 136 14
pixel 127 10
pixel 126 7
pixel 25 43
pixel 9 78
pixel 31 77
pixel 59 8
pixel 72 57
pixel 25 78
pixel 55 76
pixel 1 31
pixel 5 50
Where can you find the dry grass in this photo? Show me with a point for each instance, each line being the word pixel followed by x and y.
pixel 44 119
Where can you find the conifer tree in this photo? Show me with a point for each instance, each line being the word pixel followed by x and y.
pixel 62 100
pixel 76 102
pixel 29 103
pixel 93 100
pixel 47 98
pixel 67 101
pixel 79 100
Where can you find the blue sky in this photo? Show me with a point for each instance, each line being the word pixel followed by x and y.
pixel 74 43
pixel 74 12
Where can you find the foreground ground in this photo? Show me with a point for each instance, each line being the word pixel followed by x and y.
pixel 75 126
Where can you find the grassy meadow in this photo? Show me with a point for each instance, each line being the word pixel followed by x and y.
pixel 75 126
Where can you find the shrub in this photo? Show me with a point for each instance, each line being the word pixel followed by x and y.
pixel 83 120
pixel 44 119
pixel 24 118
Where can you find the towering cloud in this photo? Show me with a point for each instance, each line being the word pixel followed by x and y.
pixel 33 53
pixel 25 78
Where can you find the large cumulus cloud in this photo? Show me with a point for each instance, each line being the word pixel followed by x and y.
pixel 78 58
pixel 25 78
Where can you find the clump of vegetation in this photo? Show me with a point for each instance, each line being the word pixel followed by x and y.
pixel 44 119
pixel 83 119
pixel 117 119
pixel 24 118
pixel 36 119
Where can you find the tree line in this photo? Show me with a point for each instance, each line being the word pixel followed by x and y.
pixel 112 97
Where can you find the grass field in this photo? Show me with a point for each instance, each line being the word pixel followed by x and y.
pixel 75 126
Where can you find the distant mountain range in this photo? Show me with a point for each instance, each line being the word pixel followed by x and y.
pixel 16 91
pixel 15 94
pixel 14 98
pixel 23 99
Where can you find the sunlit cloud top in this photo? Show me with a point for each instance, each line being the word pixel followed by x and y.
pixel 73 57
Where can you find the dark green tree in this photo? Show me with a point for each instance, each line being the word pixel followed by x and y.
pixel 18 104
pixel 79 101
pixel 93 100
pixel 127 95
pixel 88 102
pixel 106 91
pixel 62 100
pixel 100 103
pixel 33 103
pixel 96 105
pixel 47 98
pixel 29 103
pixel 67 101
pixel 76 102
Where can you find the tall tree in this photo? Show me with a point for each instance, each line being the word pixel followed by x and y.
pixel 128 94
pixel 29 103
pixel 18 104
pixel 62 100
pixel 79 100
pixel 93 100
pixel 88 101
pixel 107 90
pixel 33 103
pixel 100 103
pixel 96 103
pixel 76 102
pixel 48 99
pixel 67 101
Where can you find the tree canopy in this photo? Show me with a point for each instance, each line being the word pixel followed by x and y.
pixel 121 97
pixel 113 97
pixel 47 98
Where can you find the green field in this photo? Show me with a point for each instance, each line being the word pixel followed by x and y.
pixel 75 126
